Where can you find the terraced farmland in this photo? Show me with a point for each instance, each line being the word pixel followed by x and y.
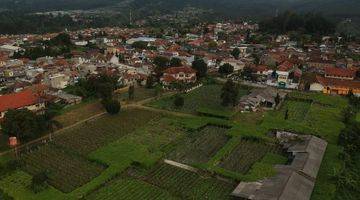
pixel 201 146
pixel 297 110
pixel 66 171
pixel 95 134
pixel 245 154
pixel 126 188
pixel 189 185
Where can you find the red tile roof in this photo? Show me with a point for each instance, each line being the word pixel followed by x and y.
pixel 332 82
pixel 339 72
pixel 19 100
pixel 176 70
pixel 286 66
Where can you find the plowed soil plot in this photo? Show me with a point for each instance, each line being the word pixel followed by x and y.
pixel 246 154
pixel 189 185
pixel 200 146
pixel 66 172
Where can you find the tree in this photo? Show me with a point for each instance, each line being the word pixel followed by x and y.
pixel 286 117
pixel 179 101
pixel 175 62
pixel 22 124
pixel 236 53
pixel 105 90
pixel 229 93
pixel 131 92
pixel 112 106
pixel 226 69
pixel 161 64
pixel 212 44
pixel 277 99
pixel 247 73
pixel 140 45
pixel 200 66
pixel 150 82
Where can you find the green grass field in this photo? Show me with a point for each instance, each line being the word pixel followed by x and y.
pixel 205 100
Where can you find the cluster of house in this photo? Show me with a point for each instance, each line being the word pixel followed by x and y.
pixel 114 50
pixel 295 180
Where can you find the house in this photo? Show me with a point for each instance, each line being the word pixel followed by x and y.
pixel 286 76
pixel 265 98
pixel 30 99
pixel 335 86
pixel 295 181
pixel 178 74
pixel 58 81
pixel 340 73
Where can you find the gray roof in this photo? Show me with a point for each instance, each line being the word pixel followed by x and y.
pixel 295 181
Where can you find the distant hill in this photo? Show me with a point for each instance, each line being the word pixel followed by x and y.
pixel 337 9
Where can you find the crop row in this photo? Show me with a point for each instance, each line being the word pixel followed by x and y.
pixel 95 134
pixel 188 185
pixel 201 146
pixel 128 189
pixel 245 154
pixel 66 172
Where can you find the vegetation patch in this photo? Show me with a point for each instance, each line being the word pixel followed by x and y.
pixel 245 154
pixel 205 100
pixel 65 172
pixel 189 185
pixel 90 136
pixel 200 146
pixel 127 188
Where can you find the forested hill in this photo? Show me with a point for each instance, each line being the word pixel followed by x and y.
pixel 334 8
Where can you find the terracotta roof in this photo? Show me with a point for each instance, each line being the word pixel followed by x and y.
pixel 340 72
pixel 168 78
pixel 176 70
pixel 286 66
pixel 19 100
pixel 332 82
pixel 260 68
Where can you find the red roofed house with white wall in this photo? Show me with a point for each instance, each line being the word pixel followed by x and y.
pixel 178 74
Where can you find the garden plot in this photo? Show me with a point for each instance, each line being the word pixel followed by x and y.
pixel 92 135
pixel 297 110
pixel 205 100
pixel 200 146
pixel 126 188
pixel 245 154
pixel 188 185
pixel 66 172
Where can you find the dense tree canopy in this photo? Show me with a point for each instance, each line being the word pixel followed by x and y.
pixel 311 23
pixel 229 94
pixel 200 66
